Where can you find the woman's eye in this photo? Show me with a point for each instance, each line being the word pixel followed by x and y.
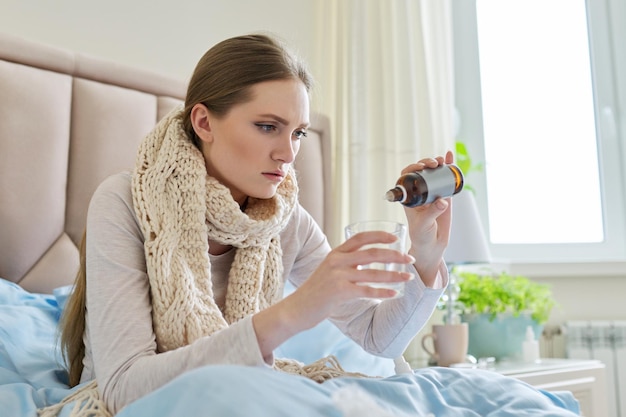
pixel 299 134
pixel 266 127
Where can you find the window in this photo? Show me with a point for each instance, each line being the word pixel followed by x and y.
pixel 538 101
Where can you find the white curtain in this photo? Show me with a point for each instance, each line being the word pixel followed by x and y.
pixel 384 76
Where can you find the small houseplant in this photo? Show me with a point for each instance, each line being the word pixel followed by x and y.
pixel 464 161
pixel 498 308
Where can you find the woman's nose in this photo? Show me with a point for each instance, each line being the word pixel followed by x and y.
pixel 286 150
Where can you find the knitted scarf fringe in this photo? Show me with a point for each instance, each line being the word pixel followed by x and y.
pixel 89 404
pixel 319 371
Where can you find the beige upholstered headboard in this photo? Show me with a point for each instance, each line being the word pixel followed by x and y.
pixel 69 120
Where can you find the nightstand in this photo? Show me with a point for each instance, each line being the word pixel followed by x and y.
pixel 586 379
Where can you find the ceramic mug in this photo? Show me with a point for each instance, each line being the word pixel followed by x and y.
pixel 450 342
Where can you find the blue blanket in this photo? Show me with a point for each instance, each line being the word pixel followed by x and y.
pixel 31 376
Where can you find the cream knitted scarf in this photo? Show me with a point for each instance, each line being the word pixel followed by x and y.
pixel 180 208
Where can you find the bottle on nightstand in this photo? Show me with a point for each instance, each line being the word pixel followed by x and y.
pixel 530 347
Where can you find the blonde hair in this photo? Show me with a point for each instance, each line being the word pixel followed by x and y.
pixel 72 322
pixel 222 79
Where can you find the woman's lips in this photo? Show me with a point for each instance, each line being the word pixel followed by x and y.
pixel 276 176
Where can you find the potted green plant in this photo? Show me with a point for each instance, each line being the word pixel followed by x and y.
pixel 498 308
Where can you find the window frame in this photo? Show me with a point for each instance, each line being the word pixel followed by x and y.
pixel 606 20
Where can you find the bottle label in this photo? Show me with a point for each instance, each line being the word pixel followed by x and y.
pixel 441 183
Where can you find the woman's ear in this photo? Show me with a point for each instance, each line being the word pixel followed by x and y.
pixel 201 122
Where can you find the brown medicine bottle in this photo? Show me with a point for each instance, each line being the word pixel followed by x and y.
pixel 423 187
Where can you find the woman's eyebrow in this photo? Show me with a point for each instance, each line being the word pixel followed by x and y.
pixel 275 117
pixel 282 120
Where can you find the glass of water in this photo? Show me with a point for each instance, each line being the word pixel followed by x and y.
pixel 395 228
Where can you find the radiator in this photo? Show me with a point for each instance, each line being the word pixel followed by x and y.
pixel 606 342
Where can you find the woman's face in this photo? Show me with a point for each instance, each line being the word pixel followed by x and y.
pixel 250 149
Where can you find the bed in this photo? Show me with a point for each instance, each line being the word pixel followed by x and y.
pixel 67 121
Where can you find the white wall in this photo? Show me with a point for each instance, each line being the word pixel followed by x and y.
pixel 163 35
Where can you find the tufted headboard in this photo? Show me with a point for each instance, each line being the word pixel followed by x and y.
pixel 67 121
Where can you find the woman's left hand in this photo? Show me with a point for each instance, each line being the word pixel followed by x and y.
pixel 429 225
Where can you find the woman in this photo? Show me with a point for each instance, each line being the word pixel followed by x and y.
pixel 185 258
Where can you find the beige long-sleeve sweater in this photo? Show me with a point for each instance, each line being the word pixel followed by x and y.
pixel 120 343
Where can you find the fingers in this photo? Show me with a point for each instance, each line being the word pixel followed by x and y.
pixel 358 258
pixel 367 238
pixel 370 283
pixel 362 275
pixel 434 212
pixel 379 255
pixel 427 163
pixel 362 255
pixel 375 292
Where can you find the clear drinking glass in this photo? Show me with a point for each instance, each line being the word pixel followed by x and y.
pixel 395 228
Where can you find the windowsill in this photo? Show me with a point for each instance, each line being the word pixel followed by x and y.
pixel 606 269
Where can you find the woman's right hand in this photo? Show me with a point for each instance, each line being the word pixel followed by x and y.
pixel 336 280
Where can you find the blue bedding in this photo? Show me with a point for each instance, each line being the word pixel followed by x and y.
pixel 31 376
